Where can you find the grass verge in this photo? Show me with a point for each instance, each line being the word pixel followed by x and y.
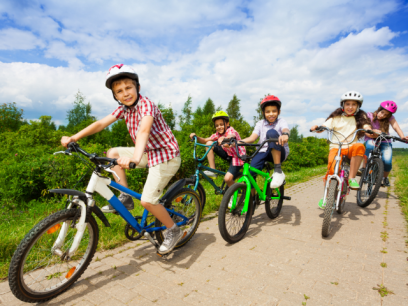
pixel 15 225
pixel 400 172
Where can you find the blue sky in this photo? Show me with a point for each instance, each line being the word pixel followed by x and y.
pixel 307 55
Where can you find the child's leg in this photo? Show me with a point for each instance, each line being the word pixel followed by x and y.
pixel 229 179
pixel 386 154
pixel 369 145
pixel 113 153
pixel 357 152
pixel 278 152
pixel 258 162
pixel 210 155
pixel 232 172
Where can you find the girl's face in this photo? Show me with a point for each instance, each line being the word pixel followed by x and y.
pixel 271 113
pixel 350 107
pixel 383 114
pixel 219 126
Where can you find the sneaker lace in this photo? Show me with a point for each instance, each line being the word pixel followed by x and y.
pixel 168 238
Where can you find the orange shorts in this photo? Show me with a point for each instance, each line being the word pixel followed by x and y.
pixel 356 149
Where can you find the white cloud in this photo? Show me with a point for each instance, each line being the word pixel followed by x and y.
pixel 213 49
pixel 14 39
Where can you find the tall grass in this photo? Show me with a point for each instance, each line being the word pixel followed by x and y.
pixel 16 224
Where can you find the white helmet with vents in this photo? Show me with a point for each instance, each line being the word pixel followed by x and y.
pixel 352 95
pixel 118 71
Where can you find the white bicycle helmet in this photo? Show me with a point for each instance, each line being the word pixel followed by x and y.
pixel 352 95
pixel 118 71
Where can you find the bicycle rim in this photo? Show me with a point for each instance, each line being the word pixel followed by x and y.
pixel 273 207
pixel 231 222
pixel 370 182
pixel 39 272
pixel 186 203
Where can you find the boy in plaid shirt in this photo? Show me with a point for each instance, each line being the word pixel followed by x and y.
pixel 155 147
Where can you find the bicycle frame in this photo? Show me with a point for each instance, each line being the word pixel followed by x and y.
pixel 200 166
pixel 249 180
pixel 100 185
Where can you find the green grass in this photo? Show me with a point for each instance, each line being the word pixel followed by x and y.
pixel 16 224
pixel 400 172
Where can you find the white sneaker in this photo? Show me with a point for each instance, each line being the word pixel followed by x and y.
pixel 277 180
pixel 171 240
pixel 230 202
pixel 210 174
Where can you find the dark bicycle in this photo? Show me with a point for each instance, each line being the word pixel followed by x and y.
pixel 373 173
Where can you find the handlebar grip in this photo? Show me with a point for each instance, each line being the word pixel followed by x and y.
pixel 132 165
pixel 72 145
pixel 272 140
pixel 369 132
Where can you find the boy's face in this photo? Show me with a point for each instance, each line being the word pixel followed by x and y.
pixel 383 114
pixel 350 107
pixel 219 126
pixel 125 91
pixel 271 113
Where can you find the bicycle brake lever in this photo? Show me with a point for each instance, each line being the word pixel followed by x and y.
pixel 113 172
pixel 66 152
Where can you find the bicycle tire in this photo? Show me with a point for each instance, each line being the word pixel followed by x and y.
pixel 342 203
pixel 372 175
pixel 330 206
pixel 194 212
pixel 272 210
pixel 190 183
pixel 235 214
pixel 48 226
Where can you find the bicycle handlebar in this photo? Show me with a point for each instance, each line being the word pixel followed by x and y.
pixel 386 136
pixel 244 144
pixel 323 128
pixel 74 147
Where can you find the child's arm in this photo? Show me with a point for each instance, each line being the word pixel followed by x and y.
pixel 200 139
pixel 397 129
pixel 89 130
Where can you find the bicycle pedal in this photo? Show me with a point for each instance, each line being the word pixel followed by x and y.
pixel 164 256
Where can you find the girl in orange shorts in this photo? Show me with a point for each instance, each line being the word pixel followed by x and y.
pixel 347 119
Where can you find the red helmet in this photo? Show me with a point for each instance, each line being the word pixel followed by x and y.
pixel 269 99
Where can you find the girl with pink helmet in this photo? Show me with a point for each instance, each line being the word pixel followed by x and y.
pixel 381 120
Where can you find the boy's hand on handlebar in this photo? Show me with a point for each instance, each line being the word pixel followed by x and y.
pixel 65 140
pixel 192 135
pixel 124 162
pixel 283 139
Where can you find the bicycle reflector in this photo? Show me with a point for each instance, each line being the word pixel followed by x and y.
pixel 53 229
pixel 70 272
pixel 179 199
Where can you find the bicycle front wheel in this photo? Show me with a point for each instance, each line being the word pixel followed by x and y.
pixel 233 225
pixel 370 182
pixel 36 272
pixel 273 207
pixel 187 203
pixel 330 206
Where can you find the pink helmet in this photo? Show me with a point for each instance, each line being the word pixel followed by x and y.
pixel 390 106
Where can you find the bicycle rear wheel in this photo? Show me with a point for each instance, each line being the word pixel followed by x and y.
pixel 273 207
pixel 233 225
pixel 330 207
pixel 36 273
pixel 370 182
pixel 190 183
pixel 187 203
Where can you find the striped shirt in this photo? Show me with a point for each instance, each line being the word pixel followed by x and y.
pixel 161 145
pixel 236 161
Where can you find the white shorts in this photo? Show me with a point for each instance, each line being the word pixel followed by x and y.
pixel 158 177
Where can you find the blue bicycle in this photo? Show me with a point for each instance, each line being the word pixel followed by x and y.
pixel 57 251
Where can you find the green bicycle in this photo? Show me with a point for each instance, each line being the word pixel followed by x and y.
pixel 238 204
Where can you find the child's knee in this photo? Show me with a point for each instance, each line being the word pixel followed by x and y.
pixel 228 177
pixel 209 143
pixel 272 133
pixel 112 153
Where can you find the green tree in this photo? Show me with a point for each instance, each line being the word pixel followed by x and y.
pixel 119 135
pixel 186 113
pixel 80 113
pixel 294 134
pixel 233 109
pixel 209 107
pixel 168 115
pixel 11 118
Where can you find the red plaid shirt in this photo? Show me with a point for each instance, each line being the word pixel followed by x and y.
pixel 236 161
pixel 161 145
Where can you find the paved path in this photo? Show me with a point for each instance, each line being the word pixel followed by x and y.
pixel 277 263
